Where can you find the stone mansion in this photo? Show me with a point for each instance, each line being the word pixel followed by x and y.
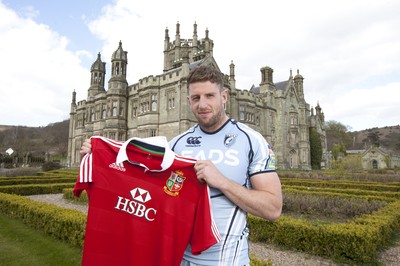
pixel 157 105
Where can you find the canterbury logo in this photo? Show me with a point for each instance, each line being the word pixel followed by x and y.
pixel 193 140
pixel 119 167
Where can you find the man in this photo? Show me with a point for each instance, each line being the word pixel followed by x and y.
pixel 235 161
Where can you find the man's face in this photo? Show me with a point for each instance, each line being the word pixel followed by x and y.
pixel 207 104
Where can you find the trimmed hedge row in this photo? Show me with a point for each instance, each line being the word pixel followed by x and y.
pixel 393 187
pixel 341 194
pixel 65 224
pixel 345 192
pixel 358 240
pixel 36 189
pixel 41 180
pixel 68 194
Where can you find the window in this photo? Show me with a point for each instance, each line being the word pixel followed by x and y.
pixel 246 113
pixel 144 104
pixel 241 112
pixel 83 119
pixel 121 108
pixel 114 108
pixel 117 69
pixel 293 119
pixel 103 111
pixel 154 102
pixel 171 100
pixel 134 109
pixel 91 114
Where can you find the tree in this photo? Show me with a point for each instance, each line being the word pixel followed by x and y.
pixel 337 133
pixel 372 138
pixel 338 149
pixel 315 149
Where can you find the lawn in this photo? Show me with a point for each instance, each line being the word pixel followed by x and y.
pixel 20 246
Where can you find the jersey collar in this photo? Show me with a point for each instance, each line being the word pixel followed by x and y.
pixel 160 141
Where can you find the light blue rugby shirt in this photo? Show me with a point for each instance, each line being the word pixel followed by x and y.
pixel 238 152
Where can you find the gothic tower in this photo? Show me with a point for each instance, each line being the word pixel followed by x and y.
pixel 195 49
pixel 298 83
pixel 97 77
pixel 117 94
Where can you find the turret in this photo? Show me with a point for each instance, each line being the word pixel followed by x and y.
pixel 232 75
pixel 97 77
pixel 207 43
pixel 166 40
pixel 119 62
pixel 266 75
pixel 197 49
pixel 319 113
pixel 194 44
pixel 177 35
pixel 177 43
pixel 298 84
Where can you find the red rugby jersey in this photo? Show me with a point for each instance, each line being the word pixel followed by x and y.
pixel 145 204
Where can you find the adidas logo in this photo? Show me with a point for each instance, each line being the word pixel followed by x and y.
pixel 119 167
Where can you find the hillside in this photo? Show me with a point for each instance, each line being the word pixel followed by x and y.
pixel 386 137
pixel 36 140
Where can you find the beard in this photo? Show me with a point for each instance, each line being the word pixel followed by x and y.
pixel 213 123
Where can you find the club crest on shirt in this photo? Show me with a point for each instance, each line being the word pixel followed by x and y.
pixel 174 183
pixel 229 140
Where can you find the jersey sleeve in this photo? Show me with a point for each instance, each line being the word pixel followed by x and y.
pixel 205 232
pixel 84 176
pixel 263 158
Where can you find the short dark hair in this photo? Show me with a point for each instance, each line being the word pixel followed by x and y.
pixel 205 73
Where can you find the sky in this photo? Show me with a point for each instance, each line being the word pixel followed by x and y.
pixel 347 51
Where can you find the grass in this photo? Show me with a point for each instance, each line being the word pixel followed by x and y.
pixel 21 245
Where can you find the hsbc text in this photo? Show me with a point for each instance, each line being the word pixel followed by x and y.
pixel 135 208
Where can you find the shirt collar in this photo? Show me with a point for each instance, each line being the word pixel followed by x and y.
pixel 160 141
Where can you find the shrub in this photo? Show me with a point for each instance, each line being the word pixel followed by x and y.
pixel 50 166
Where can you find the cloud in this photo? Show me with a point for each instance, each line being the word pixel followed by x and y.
pixel 338 46
pixel 347 51
pixel 39 73
pixel 378 105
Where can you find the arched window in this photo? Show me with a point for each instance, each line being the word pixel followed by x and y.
pixel 114 108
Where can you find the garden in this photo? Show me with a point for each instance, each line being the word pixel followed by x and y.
pixel 348 217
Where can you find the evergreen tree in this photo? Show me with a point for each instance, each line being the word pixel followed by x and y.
pixel 315 149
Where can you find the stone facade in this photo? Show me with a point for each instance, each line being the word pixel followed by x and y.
pixel 157 105
pixel 377 158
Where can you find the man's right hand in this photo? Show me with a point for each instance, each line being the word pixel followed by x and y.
pixel 86 147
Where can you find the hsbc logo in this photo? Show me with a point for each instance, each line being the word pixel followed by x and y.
pixel 135 206
pixel 193 141
pixel 140 195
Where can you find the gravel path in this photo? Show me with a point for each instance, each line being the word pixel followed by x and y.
pixel 278 256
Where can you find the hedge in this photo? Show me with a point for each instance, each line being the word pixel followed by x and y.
pixel 61 223
pixel 358 240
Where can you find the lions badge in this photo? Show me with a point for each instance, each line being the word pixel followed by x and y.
pixel 174 183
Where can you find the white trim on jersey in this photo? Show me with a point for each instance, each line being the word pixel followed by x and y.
pixel 160 141
pixel 260 139
pixel 214 227
pixel 85 169
pixel 114 143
